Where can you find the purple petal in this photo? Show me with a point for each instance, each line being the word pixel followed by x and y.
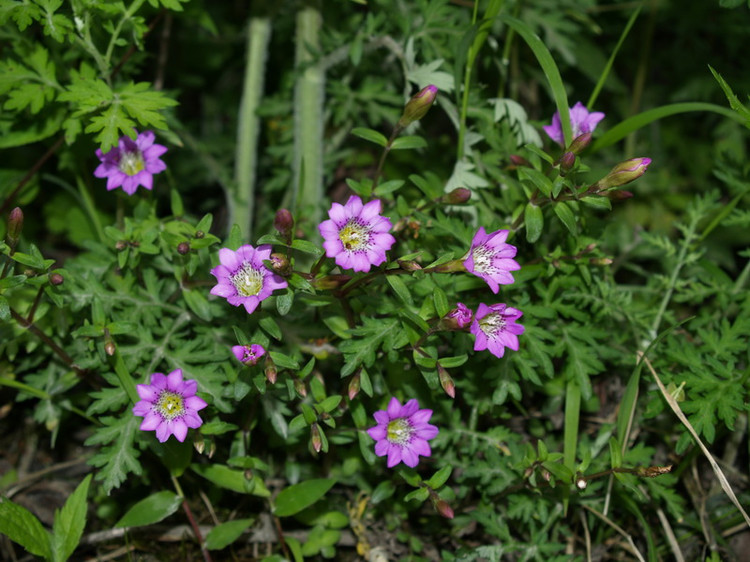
pixel 381 416
pixel 229 259
pixel 192 419
pixel 159 381
pixel 163 431
pixel 378 433
pixel 409 457
pixel 151 421
pixel 420 417
pixel 420 447
pixel 189 388
pixel 409 408
pixel 179 429
pixel 383 448
pixel 195 403
pixel 174 381
pixel 338 214
pixel 394 408
pixel 142 407
pixel 394 456
pixel 427 431
pixel 147 392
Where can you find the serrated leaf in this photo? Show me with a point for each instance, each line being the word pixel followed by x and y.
pixel 70 522
pixel 152 509
pixel 297 497
pixel 117 458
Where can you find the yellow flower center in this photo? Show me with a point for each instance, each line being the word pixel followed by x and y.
pixel 399 431
pixel 354 236
pixel 248 281
pixel 170 405
pixel 492 324
pixel 131 162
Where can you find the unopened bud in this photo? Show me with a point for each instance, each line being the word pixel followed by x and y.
pixel 317 442
pixel 624 173
pixel 110 348
pixel 442 507
pixel 183 248
pixel 566 162
pixel 271 372
pixel 211 449
pixel 248 474
pixel 517 161
pixel 280 264
pixel 528 472
pixel 408 265
pixel 56 279
pixel 284 223
pixel 120 245
pixel 446 381
pixel 354 386
pixel 580 143
pixel 618 194
pixel 581 484
pixel 329 282
pixel 452 266
pixel 418 105
pixel 199 443
pixel 458 196
pixel 600 261
pixel 299 386
pixel 199 234
pixel 15 225
pixel 546 475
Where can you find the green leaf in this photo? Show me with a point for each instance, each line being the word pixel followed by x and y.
pixel 270 326
pixel 22 527
pixel 408 142
pixel 550 69
pixel 534 221
pixel 399 287
pixel 297 497
pixel 119 458
pixel 225 477
pixel 441 302
pixel 284 361
pixel 565 214
pixel 370 135
pixel 631 124
pixel 440 477
pixel 307 247
pixel 70 522
pixel 225 534
pixel 152 509
pixel 4 309
pixel 537 178
pixel 197 302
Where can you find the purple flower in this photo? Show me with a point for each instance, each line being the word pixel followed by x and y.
pixel 356 235
pixel 248 354
pixel 402 433
pixel 581 121
pixel 169 405
pixel 458 318
pixel 131 163
pixel 243 278
pixel 491 258
pixel 495 328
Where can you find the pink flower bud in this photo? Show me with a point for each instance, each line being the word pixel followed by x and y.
pixel 418 105
pixel 283 222
pixel 446 381
pixel 183 248
pixel 566 162
pixel 317 442
pixel 442 507
pixel 519 161
pixel 457 319
pixel 580 143
pixel 624 173
pixel 56 279
pixel 458 196
pixel 15 225
pixel 354 386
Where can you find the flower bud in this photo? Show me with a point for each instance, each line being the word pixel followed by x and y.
pixel 458 196
pixel 418 105
pixel 517 161
pixel 618 194
pixel 56 279
pixel 280 264
pixel 452 266
pixel 408 265
pixel 566 162
pixel 328 282
pixel 456 319
pixel 580 143
pixel 109 347
pixel 442 507
pixel 199 443
pixel 283 222
pixel 317 442
pixel 120 245
pixel 199 234
pixel 15 225
pixel 183 248
pixel 624 172
pixel 248 354
pixel 271 372
pixel 446 381
pixel 354 383
pixel 299 386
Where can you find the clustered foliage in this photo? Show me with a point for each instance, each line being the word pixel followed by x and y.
pixel 574 353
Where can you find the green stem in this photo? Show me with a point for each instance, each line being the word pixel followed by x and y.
pixel 248 129
pixel 386 151
pixel 116 33
pixel 88 204
pixel 465 92
pixel 308 114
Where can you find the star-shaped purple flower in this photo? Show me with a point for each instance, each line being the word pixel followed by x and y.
pixel 248 354
pixel 131 163
pixel 581 121
pixel 242 277
pixel 495 328
pixel 169 405
pixel 491 258
pixel 402 433
pixel 356 234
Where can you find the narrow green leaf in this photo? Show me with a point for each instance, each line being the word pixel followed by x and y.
pixel 534 221
pixel 152 509
pixel 440 477
pixel 563 212
pixel 70 522
pixel 441 302
pixel 399 287
pixel 370 135
pixel 226 477
pixel 22 527
pixel 537 178
pixel 550 70
pixel 297 497
pixel 402 143
pixel 225 534
pixel 270 326
pixel 570 431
